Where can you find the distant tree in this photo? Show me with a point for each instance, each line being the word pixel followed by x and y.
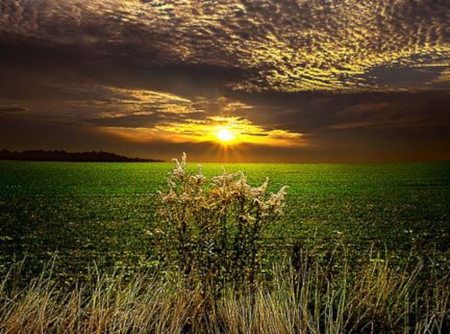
pixel 61 155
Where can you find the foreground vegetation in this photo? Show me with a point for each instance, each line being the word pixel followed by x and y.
pixel 206 263
pixel 307 299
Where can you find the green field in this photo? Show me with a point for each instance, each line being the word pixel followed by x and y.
pixel 97 212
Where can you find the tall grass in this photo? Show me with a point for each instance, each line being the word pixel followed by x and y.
pixel 308 299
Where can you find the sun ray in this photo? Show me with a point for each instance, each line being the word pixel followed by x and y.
pixel 225 135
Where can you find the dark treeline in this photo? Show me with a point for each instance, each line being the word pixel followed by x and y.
pixel 40 155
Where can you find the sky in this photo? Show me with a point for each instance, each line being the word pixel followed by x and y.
pixel 287 80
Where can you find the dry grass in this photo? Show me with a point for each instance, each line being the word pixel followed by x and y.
pixel 379 299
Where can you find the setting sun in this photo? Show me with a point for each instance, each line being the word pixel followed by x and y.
pixel 225 135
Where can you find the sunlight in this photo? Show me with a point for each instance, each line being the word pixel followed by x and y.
pixel 225 135
pixel 227 132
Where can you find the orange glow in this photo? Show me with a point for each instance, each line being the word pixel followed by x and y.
pixel 227 131
pixel 225 135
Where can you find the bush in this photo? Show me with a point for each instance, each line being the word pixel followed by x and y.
pixel 211 229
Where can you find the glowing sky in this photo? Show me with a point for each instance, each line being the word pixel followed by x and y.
pixel 293 80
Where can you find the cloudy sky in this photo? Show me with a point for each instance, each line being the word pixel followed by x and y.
pixel 291 80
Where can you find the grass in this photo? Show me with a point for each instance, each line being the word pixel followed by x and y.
pixel 306 299
pixel 87 212
pixel 90 219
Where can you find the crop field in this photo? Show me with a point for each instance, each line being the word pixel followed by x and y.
pixel 96 214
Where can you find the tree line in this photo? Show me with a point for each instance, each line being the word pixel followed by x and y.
pixel 60 155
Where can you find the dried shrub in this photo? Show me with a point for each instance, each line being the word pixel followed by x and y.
pixel 211 229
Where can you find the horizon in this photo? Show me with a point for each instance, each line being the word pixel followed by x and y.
pixel 171 160
pixel 291 81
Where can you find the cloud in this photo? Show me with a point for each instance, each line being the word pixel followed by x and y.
pixel 321 79
pixel 13 109
pixel 283 46
pixel 402 111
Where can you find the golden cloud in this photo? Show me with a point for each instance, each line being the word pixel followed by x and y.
pixel 200 131
pixel 284 46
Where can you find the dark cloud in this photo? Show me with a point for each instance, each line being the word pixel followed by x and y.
pixel 350 76
pixel 12 109
pixel 287 45
pixel 135 121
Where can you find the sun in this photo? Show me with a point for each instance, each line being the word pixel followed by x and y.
pixel 225 135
